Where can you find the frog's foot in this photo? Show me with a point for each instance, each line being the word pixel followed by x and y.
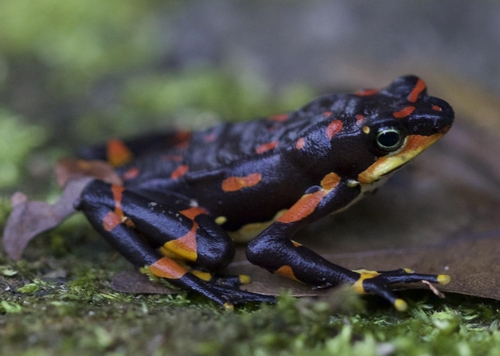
pixel 233 281
pixel 227 297
pixel 377 282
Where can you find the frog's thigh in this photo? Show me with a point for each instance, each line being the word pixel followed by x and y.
pixel 170 229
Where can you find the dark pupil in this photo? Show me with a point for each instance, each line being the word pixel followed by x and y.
pixel 388 139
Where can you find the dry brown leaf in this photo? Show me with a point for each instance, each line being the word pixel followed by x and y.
pixel 30 218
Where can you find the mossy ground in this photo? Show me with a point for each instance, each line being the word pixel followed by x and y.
pixel 58 301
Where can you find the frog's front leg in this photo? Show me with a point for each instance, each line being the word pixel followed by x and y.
pixel 274 250
pixel 160 237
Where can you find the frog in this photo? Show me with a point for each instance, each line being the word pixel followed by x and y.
pixel 186 197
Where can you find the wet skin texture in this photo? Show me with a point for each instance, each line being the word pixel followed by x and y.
pixel 185 195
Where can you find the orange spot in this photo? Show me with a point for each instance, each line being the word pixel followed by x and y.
pixel 184 246
pixel 330 181
pixel 437 108
pixel 117 153
pixel 131 173
pixel 166 268
pixel 287 272
pixel 181 139
pixel 419 87
pixel 359 119
pixel 301 142
pixel 117 191
pixel 233 184
pixel 176 158
pixel 181 136
pixel 266 147
pixel 403 112
pixel 279 117
pixel 193 212
pixel 296 244
pixel 110 221
pixel 303 207
pixel 210 137
pixel 366 92
pixel 327 114
pixel 179 171
pixel 333 128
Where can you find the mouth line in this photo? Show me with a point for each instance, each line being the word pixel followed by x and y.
pixel 395 169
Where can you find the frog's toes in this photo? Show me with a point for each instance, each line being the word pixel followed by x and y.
pixel 230 296
pixel 377 282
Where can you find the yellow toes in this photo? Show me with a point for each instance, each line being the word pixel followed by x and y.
pixel 443 279
pixel 244 279
pixel 400 305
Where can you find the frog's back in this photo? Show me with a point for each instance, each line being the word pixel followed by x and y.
pixel 230 143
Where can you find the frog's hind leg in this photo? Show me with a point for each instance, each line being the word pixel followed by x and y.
pixel 119 152
pixel 139 229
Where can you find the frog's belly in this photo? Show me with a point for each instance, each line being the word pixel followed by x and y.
pixel 247 232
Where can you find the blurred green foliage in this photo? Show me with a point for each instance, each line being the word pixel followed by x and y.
pixel 85 70
pixel 79 40
pixel 16 141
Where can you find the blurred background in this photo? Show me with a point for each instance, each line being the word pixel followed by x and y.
pixel 74 73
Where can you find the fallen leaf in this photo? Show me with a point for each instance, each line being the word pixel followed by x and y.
pixel 30 218
pixel 135 282
pixel 471 262
pixel 69 169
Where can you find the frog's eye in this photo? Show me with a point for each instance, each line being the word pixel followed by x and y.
pixel 389 139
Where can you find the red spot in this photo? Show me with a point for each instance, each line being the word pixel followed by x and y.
pixel 166 268
pixel 333 128
pixel 131 174
pixel 233 184
pixel 327 114
pixel 266 147
pixel 110 221
pixel 403 112
pixel 419 87
pixel 182 135
pixel 175 158
pixel 359 119
pixel 301 142
pixel 210 137
pixel 179 171
pixel 117 191
pixel 117 153
pixel 181 139
pixel 303 207
pixel 437 108
pixel 279 117
pixel 330 181
pixel 366 92
pixel 193 212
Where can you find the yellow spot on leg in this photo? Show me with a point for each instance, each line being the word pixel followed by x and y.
pixel 220 220
pixel 364 274
pixel 205 276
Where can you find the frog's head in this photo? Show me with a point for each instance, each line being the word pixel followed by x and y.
pixel 399 122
